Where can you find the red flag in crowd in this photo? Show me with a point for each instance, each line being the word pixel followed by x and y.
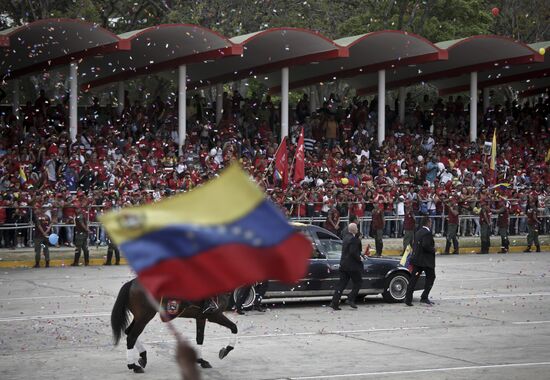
pixel 299 164
pixel 281 164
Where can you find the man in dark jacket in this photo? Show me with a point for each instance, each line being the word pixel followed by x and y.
pixel 423 260
pixel 351 266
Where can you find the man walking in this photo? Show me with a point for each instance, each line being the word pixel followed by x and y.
pixel 532 227
pixel 422 260
pixel 351 267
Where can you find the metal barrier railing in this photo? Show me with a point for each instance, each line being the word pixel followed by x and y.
pixel 468 226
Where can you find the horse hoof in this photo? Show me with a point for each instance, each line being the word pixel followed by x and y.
pixel 143 359
pixel 203 363
pixel 135 368
pixel 225 351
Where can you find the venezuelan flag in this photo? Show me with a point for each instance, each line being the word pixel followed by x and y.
pixel 211 240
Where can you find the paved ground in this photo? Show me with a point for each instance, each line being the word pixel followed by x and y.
pixel 491 321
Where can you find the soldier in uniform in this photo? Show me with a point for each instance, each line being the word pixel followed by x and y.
pixel 41 232
pixel 503 225
pixel 378 227
pixel 81 238
pixel 112 247
pixel 532 227
pixel 408 226
pixel 485 227
pixel 452 228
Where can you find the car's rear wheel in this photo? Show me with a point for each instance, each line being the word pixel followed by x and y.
pixel 249 301
pixel 396 287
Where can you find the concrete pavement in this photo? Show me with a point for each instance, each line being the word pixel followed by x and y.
pixel 490 321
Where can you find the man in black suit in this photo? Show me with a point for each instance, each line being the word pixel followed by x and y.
pixel 351 267
pixel 422 260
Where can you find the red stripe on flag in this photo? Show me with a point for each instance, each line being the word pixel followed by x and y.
pixel 227 267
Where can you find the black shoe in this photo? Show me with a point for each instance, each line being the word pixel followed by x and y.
pixel 527 250
pixel 538 248
pixel 117 263
pixel 240 312
pixel 74 264
pixel 352 305
pixel 427 302
pixel 107 263
pixel 408 303
pixel 259 308
pixel 47 264
pixel 37 265
pixel 455 253
pixel 335 307
pixel 86 263
pixel 503 251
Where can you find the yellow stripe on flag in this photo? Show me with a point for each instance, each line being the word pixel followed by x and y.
pixel 223 200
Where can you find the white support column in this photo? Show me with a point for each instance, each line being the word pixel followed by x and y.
pixel 120 104
pixel 73 101
pixel 16 102
pixel 486 99
pixel 312 95
pixel 402 105
pixel 182 106
pixel 284 102
pixel 219 102
pixel 473 106
pixel 381 106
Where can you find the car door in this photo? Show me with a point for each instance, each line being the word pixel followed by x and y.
pixel 331 247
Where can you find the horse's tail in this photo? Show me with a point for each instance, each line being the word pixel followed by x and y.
pixel 119 315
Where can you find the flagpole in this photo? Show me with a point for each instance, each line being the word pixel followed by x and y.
pixel 183 348
pixel 272 161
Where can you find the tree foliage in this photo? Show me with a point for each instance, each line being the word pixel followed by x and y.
pixel 436 20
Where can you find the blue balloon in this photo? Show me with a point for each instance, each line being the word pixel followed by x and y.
pixel 53 239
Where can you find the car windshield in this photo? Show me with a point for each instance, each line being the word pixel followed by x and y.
pixel 332 248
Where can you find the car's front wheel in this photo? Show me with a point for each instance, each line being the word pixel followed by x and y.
pixel 396 287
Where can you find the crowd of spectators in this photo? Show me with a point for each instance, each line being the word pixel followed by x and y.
pixel 132 158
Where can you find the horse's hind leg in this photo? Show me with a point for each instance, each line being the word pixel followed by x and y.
pixel 133 333
pixel 222 320
pixel 201 324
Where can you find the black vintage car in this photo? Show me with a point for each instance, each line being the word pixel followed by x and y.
pixel 381 275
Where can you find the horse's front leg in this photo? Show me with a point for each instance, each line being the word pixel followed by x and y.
pixel 201 325
pixel 222 320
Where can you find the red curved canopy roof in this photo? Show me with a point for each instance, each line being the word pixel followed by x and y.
pixel 368 53
pixel 477 53
pixel 43 44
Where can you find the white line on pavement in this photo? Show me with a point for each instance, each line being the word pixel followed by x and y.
pixel 484 296
pixel 530 322
pixel 45 297
pixel 428 370
pixel 54 316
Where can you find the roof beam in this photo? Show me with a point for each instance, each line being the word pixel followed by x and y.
pixel 531 58
pixel 341 52
pixel 419 59
pixel 165 65
pixel 497 81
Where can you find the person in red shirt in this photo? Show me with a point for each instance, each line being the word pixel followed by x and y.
pixel 532 226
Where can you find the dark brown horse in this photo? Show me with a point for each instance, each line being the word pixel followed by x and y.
pixel 133 298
